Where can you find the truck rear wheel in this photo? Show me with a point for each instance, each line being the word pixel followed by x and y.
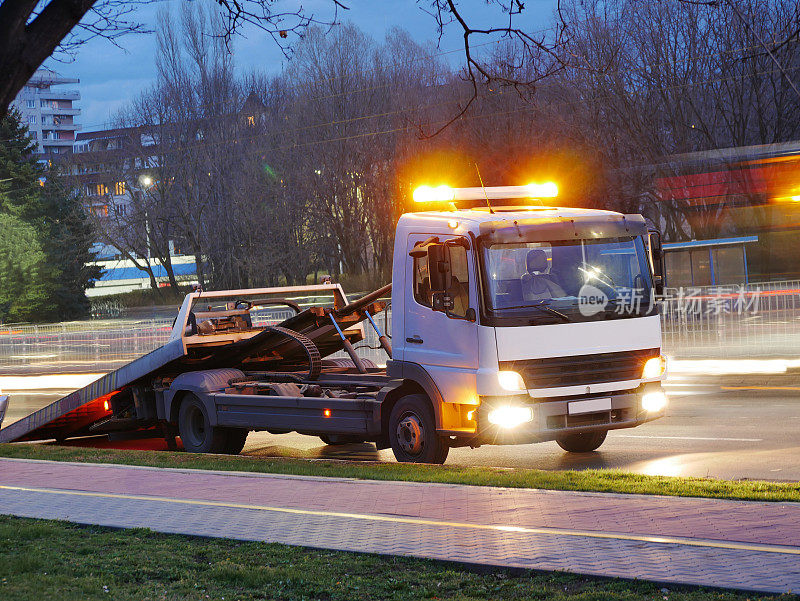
pixel 583 442
pixel 412 432
pixel 195 429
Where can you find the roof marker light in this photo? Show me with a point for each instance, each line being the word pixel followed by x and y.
pixel 545 190
pixel 437 194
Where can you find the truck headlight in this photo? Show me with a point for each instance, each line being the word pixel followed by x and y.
pixel 653 402
pixel 654 368
pixel 511 381
pixel 509 416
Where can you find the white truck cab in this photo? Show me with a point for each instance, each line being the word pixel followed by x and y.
pixel 528 323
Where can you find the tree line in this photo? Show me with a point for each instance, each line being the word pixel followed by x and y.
pixel 269 179
pixel 273 179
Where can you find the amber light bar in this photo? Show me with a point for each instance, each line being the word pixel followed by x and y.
pixel 448 194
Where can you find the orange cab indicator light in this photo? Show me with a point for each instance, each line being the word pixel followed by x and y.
pixel 106 405
pixel 326 412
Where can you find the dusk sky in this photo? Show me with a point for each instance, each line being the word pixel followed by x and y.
pixel 110 76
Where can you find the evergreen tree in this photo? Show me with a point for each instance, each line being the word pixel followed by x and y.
pixel 45 237
pixel 25 274
pixel 69 243
pixel 20 174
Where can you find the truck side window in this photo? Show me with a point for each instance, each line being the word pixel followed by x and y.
pixel 459 285
pixel 422 282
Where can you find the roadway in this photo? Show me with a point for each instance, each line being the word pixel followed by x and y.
pixel 711 430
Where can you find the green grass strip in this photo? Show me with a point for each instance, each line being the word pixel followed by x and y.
pixel 615 481
pixel 42 559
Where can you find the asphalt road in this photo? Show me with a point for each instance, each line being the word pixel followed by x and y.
pixel 710 430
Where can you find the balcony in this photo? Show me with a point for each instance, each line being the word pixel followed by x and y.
pixel 45 77
pixel 47 142
pixel 49 110
pixel 60 126
pixel 55 95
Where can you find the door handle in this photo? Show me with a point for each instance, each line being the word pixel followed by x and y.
pixel 415 339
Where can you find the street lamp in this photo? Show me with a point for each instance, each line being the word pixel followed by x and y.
pixel 145 182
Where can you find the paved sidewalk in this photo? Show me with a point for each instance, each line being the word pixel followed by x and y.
pixel 745 545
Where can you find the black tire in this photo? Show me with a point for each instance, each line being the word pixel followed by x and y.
pixel 197 433
pixel 236 439
pixel 340 439
pixel 584 442
pixel 412 432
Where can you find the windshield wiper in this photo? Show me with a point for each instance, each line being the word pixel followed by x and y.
pixel 541 307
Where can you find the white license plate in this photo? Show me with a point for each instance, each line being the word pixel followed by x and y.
pixel 590 406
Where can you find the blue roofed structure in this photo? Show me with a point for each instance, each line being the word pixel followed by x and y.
pixel 121 275
pixel 159 271
pixel 714 262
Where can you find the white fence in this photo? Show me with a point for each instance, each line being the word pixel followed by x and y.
pixel 82 346
pixel 760 320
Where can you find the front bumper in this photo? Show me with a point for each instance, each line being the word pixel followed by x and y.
pixel 551 418
pixel 3 407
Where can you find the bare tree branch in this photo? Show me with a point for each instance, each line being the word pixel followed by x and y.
pixel 31 31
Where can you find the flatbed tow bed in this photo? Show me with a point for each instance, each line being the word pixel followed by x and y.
pixel 137 399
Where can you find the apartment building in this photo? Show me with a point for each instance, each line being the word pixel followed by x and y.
pixel 50 112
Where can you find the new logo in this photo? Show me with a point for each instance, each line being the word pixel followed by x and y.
pixel 591 300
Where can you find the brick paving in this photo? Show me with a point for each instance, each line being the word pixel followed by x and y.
pixel 547 530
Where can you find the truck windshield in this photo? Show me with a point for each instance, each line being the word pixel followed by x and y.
pixel 567 280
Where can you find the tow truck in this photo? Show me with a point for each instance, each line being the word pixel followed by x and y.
pixel 513 323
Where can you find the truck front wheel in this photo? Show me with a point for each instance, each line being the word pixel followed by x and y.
pixel 583 442
pixel 412 432
pixel 197 433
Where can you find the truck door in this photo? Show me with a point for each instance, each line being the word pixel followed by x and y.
pixel 445 346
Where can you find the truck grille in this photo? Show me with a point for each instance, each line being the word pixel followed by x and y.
pixel 579 370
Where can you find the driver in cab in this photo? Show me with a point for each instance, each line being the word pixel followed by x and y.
pixel 537 283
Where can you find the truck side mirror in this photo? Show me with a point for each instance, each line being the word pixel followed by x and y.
pixel 439 267
pixel 441 301
pixel 657 258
